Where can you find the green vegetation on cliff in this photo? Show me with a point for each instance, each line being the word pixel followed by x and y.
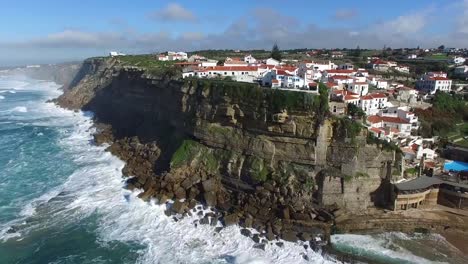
pixel 441 119
pixel 190 151
pixel 259 170
pixel 346 128
pixel 150 63
pixel 274 99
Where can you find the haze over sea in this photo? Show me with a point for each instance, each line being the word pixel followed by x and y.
pixel 62 201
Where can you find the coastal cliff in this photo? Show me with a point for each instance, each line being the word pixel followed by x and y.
pixel 268 159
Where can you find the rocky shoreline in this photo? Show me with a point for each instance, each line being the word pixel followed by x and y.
pixel 287 175
pixel 183 195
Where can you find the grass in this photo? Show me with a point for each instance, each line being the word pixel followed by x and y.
pixel 437 56
pixel 149 63
pixel 457 136
pixel 184 153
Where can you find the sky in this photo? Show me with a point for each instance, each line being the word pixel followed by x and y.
pixel 51 31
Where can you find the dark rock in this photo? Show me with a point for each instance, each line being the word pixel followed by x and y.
pixel 178 207
pixel 200 213
pixel 245 232
pixel 248 222
pixel 280 244
pixel 180 193
pixel 256 238
pixel 175 219
pixel 305 236
pixel 205 220
pixel 214 221
pixel 210 185
pixel 231 219
pixel 304 256
pixel 210 198
pixel 259 246
pixel 218 229
pixel 305 247
pixel 286 213
pixel 289 236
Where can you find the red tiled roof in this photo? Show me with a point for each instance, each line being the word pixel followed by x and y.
pixel 439 79
pixel 350 98
pixel 373 96
pixel 232 68
pixel 341 77
pixel 275 81
pixel 360 83
pixel 395 120
pixel 373 119
pixel 341 71
pixel 283 72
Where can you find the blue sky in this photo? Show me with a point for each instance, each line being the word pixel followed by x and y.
pixel 53 31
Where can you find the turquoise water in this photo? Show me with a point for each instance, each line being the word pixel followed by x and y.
pixel 62 201
pixel 62 198
pixel 456 166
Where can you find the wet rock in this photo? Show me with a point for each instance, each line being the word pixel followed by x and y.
pixel 210 198
pixel 245 232
pixel 180 193
pixel 289 236
pixel 260 246
pixel 231 219
pixel 305 236
pixel 256 238
pixel 205 220
pixel 210 185
pixel 248 222
pixel 218 229
pixel 178 207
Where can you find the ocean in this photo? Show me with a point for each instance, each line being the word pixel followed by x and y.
pixel 62 201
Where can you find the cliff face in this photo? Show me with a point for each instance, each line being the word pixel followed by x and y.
pixel 231 146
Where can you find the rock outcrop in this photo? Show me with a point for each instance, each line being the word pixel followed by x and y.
pixel 264 158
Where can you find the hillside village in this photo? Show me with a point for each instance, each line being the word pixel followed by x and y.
pixel 386 93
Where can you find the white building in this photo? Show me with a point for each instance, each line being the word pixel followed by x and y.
pixel 250 59
pixel 379 83
pixel 116 53
pixel 233 62
pixel 386 124
pixel 272 61
pixel 331 73
pixel 433 82
pixel 458 60
pixel 401 112
pixel 403 69
pixel 371 104
pixel 412 56
pixel 360 88
pixel 172 56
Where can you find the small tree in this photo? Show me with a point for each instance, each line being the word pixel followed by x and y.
pixel 276 53
pixel 441 47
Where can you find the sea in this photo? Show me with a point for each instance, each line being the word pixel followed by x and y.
pixel 62 200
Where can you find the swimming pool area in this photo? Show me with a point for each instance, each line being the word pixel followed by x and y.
pixel 456 166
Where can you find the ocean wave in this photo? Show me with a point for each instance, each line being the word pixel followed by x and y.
pixel 21 109
pixel 2 97
pixel 96 187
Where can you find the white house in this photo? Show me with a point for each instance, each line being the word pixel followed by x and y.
pixel 401 112
pixel 250 59
pixel 372 103
pixel 272 61
pixel 396 125
pixel 403 69
pixel 337 54
pixel 360 88
pixel 379 83
pixel 458 60
pixel 433 82
pixel 412 56
pixel 172 56
pixel 116 53
pixel 283 78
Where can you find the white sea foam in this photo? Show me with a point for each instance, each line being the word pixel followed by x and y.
pixel 2 97
pixel 97 187
pixel 372 247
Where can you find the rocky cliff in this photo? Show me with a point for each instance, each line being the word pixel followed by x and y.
pixel 267 159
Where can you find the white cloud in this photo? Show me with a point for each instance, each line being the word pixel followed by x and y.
pixel 463 20
pixel 173 12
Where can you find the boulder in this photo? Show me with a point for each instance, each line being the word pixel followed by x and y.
pixel 259 246
pixel 289 236
pixel 210 198
pixel 256 238
pixel 210 185
pixel 231 219
pixel 245 232
pixel 178 207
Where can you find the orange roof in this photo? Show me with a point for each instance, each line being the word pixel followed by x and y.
pixel 350 98
pixel 275 81
pixel 283 72
pixel 373 96
pixel 439 79
pixel 231 68
pixel 396 120
pixel 374 119
pixel 341 77
pixel 341 71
